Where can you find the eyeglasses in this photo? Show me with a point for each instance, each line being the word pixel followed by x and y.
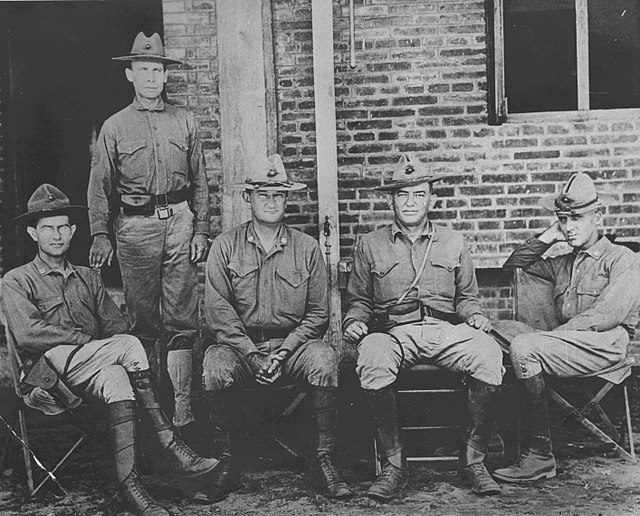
pixel 64 230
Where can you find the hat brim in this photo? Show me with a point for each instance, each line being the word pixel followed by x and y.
pixel 147 57
pixel 548 202
pixel 271 188
pixel 35 215
pixel 396 185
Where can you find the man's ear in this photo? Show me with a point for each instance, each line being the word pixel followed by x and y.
pixel 129 74
pixel 246 196
pixel 32 233
pixel 73 231
pixel 432 201
pixel 598 218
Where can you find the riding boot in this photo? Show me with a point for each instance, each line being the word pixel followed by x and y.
pixel 537 461
pixel 471 468
pixel 222 407
pixel 182 458
pixel 325 410
pixel 122 418
pixel 394 475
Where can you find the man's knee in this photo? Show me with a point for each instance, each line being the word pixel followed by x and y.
pixel 522 345
pixel 136 356
pixel 487 360
pixel 378 361
pixel 219 367
pixel 181 341
pixel 523 354
pixel 322 364
pixel 111 384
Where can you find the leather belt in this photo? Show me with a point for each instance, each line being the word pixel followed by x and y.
pixel 443 316
pixel 156 201
pixel 257 335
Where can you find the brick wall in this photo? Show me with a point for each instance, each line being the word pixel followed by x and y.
pixel 419 84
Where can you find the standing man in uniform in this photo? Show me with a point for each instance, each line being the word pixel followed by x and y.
pixel 266 302
pixel 596 290
pixel 148 167
pixel 413 298
pixel 64 321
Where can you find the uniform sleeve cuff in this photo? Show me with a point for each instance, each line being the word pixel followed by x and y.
pixel 98 228
pixel 202 228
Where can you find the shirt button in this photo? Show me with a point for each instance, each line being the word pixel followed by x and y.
pixel 159 161
pixel 155 128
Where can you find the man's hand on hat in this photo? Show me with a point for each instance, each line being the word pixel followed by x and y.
pixel 480 322
pixel 355 331
pixel 553 234
pixel 101 251
pixel 198 247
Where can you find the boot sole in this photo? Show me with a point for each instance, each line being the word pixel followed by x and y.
pixel 386 498
pixel 542 475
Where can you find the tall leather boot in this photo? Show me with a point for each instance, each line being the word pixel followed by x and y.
pixel 222 407
pixel 182 458
pixel 394 475
pixel 325 412
pixel 538 461
pixel 471 468
pixel 122 417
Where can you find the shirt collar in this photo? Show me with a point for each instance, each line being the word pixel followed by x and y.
pixel 429 229
pixel 597 249
pixel 44 269
pixel 282 239
pixel 158 105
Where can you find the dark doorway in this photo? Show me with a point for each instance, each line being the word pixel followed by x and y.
pixel 58 86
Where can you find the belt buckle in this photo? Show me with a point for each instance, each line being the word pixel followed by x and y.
pixel 165 213
pixel 162 200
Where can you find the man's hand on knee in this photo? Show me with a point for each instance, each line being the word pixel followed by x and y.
pixel 355 331
pixel 264 368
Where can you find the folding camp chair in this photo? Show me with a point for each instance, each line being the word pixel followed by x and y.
pixel 534 307
pixel 19 423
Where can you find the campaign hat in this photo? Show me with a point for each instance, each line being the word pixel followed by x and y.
pixel 147 48
pixel 47 201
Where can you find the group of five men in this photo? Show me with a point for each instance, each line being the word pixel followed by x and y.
pixel 412 298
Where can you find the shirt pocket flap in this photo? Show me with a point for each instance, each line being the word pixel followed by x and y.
pixel 46 305
pixel 383 268
pixel 592 287
pixel 181 143
pixel 293 277
pixel 241 270
pixel 445 263
pixel 131 147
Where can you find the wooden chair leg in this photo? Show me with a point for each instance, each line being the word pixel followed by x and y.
pixel 82 438
pixel 625 392
pixel 25 450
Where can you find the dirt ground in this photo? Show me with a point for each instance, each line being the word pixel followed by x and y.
pixel 589 481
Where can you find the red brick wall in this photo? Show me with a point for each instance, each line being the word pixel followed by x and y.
pixel 419 85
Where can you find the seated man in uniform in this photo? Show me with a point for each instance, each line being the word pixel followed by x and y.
pixel 596 298
pixel 418 280
pixel 266 302
pixel 62 316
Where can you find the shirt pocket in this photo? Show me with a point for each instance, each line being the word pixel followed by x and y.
pixel 443 276
pixel 49 306
pixel 589 291
pixel 386 281
pixel 133 159
pixel 244 278
pixel 291 291
pixel 178 166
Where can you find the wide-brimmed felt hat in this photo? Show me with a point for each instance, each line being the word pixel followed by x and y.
pixel 579 195
pixel 409 171
pixel 48 201
pixel 270 174
pixel 145 48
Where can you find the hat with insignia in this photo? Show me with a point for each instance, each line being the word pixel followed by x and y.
pixel 577 196
pixel 409 172
pixel 150 49
pixel 47 201
pixel 269 174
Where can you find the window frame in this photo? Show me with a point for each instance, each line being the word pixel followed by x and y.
pixel 497 98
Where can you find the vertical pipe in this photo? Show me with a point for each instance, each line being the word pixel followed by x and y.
pixel 327 153
pixel 352 36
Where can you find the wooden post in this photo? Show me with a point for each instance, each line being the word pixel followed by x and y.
pixel 582 57
pixel 247 96
pixel 327 156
